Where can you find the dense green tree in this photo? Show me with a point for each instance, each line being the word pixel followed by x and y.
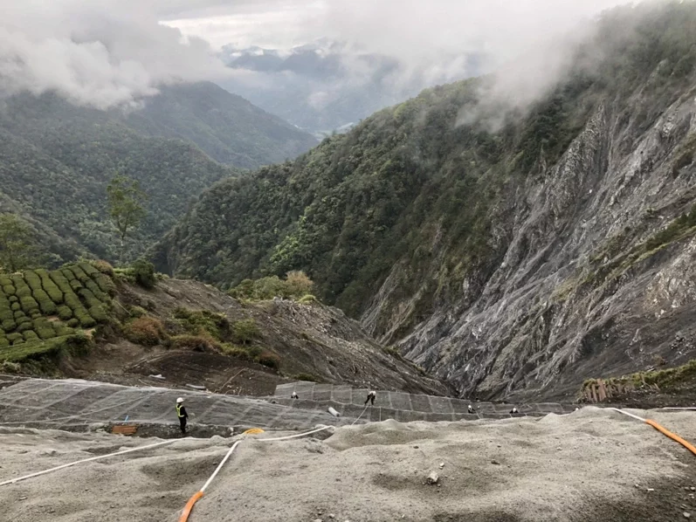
pixel 16 243
pixel 126 205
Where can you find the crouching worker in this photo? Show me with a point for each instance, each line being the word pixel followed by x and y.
pixel 371 398
pixel 181 414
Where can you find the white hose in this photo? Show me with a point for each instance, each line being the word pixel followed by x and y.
pixel 629 414
pixel 131 450
pixel 323 428
pixel 217 470
pixel 86 460
pixel 359 416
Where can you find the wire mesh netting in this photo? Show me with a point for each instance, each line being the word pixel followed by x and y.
pixel 74 403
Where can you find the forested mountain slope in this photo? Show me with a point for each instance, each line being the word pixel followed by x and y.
pixel 225 126
pixel 512 254
pixel 56 159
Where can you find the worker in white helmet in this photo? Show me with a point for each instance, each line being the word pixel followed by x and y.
pixel 181 414
pixel 371 398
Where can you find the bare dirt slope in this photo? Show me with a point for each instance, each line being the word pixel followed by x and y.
pixel 312 341
pixel 590 465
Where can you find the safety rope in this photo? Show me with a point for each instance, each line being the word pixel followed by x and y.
pixel 361 414
pixel 100 457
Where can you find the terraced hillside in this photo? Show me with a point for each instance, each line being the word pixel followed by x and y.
pixel 41 311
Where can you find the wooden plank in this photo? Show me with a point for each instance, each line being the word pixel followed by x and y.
pixel 124 430
pixel 602 391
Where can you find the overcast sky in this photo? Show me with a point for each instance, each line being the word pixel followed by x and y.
pixel 109 52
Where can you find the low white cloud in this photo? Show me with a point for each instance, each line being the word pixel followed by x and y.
pixel 433 41
pixel 99 53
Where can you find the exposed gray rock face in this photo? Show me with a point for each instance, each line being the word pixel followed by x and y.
pixel 585 287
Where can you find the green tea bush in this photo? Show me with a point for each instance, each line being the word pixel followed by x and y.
pixel 19 314
pixel 88 269
pixel 96 309
pixel 67 273
pixel 58 277
pixel 89 298
pixel 106 284
pixel 76 345
pixel 80 274
pixel 86 320
pixel 63 330
pixel 21 286
pixel 104 267
pixel 5 280
pixel 29 304
pixel 98 313
pixel 50 286
pixel 94 288
pixel 15 338
pixel 15 306
pixel 33 280
pixel 76 285
pixel 23 327
pixel 73 301
pixel 8 325
pixel 13 299
pixel 9 289
pixel 44 329
pixel 30 335
pixel 73 323
pixel 4 343
pixel 64 312
pixel 46 304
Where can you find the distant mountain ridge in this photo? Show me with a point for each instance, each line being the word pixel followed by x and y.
pixel 324 86
pixel 225 126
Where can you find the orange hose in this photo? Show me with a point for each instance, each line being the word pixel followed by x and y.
pixel 189 506
pixel 671 435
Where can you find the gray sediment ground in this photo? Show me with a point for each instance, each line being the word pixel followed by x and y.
pixel 589 465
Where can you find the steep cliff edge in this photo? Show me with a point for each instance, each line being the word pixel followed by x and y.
pixel 512 253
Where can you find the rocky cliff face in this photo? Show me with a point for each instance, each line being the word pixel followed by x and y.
pixel 598 273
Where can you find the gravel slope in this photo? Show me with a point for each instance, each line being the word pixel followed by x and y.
pixel 590 465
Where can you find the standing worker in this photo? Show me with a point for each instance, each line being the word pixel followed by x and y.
pixel 371 398
pixel 181 413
